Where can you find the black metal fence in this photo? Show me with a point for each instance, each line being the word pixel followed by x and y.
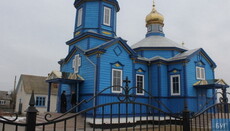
pixel 124 115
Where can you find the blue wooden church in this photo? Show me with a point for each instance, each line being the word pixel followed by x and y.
pixel 98 58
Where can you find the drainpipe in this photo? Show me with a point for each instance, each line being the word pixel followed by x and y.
pixel 185 87
pixel 159 83
pixel 149 82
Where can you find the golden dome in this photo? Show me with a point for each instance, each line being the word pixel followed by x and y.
pixel 154 17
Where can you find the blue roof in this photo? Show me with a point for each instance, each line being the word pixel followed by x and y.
pixel 181 57
pixel 100 48
pixel 77 2
pixel 107 44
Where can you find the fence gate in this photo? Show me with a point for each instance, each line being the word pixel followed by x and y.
pixel 123 115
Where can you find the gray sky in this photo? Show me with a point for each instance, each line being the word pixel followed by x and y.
pixel 33 33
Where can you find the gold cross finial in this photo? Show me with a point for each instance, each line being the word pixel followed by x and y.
pixel 154 4
pixel 154 8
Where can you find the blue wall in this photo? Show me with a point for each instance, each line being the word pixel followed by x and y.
pixel 148 53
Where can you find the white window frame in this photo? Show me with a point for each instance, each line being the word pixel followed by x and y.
pixel 200 73
pixel 143 84
pixel 179 85
pixel 40 98
pixel 114 91
pixel 107 16
pixel 2 102
pixel 79 17
pixel 76 63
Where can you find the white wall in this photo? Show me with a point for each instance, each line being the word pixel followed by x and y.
pixel 53 101
pixel 25 98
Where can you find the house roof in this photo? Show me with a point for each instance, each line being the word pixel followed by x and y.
pixel 4 95
pixel 157 42
pixel 37 84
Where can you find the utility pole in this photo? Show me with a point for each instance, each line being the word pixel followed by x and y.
pixel 13 94
pixel 15 82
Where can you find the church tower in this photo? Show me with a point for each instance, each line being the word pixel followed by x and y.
pixel 96 16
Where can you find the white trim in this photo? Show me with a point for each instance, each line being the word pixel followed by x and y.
pixel 171 85
pixel 107 16
pixel 200 73
pixel 79 17
pixel 143 77
pixel 120 80
pixel 41 98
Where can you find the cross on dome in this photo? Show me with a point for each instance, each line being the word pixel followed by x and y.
pixel 154 4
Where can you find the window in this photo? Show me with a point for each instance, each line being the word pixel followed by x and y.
pixel 140 84
pixel 116 80
pixel 79 17
pixel 2 102
pixel 107 16
pixel 175 85
pixel 200 73
pixel 76 63
pixel 40 101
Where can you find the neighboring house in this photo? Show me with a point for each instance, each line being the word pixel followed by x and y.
pixel 5 101
pixel 29 83
pixel 173 74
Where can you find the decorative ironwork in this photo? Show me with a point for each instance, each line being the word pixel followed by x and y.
pixel 127 95
pixel 223 98
pixel 129 115
pixel 48 116
pixel 14 118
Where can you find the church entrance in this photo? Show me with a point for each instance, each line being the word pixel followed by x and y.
pixel 68 83
pixel 201 98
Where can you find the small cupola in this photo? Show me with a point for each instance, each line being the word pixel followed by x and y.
pixel 154 22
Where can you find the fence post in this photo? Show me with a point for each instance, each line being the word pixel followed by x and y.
pixel 186 119
pixel 31 115
pixel 225 99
